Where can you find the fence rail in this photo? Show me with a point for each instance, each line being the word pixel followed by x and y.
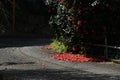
pixel 108 49
pixel 102 45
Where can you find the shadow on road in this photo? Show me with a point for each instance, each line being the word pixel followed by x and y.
pixel 14 42
pixel 16 63
pixel 50 74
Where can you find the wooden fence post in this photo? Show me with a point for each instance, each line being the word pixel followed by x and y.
pixel 106 48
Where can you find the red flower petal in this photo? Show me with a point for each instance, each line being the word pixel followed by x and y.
pixel 74 57
pixel 47 47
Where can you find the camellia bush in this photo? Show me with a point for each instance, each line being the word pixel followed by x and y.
pixel 78 22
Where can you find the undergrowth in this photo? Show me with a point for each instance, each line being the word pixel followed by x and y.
pixel 58 46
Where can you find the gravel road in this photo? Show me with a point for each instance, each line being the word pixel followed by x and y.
pixel 15 65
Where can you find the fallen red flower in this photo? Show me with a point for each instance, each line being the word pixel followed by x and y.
pixel 74 57
pixel 47 47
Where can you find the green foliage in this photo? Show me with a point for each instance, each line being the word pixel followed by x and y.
pixel 82 21
pixel 58 46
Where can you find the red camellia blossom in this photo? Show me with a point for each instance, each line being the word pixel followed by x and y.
pixel 79 11
pixel 69 11
pixel 77 28
pixel 79 22
pixel 73 5
pixel 74 48
pixel 72 18
pixel 66 4
pixel 74 26
pixel 59 0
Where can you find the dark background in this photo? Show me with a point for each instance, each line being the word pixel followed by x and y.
pixel 31 19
